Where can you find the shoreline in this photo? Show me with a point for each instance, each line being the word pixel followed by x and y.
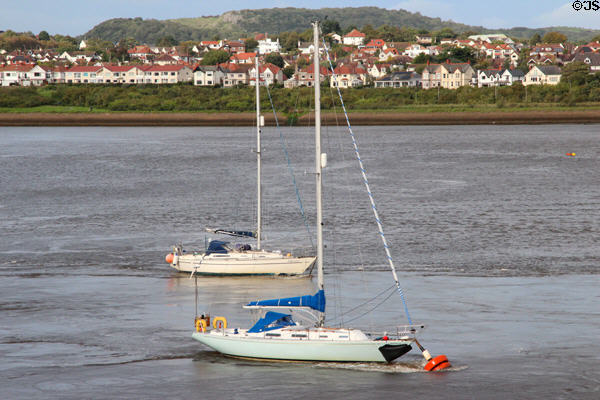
pixel 328 119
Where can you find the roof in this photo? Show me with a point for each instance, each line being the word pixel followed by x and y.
pixel 400 76
pixel 355 33
pixel 514 72
pixel 83 68
pixel 167 68
pixel 549 69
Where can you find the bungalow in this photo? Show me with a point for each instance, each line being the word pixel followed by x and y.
pixel 349 75
pixel 543 75
pixel 399 79
pixel 208 75
pixel 354 38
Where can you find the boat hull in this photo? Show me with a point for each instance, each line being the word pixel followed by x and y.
pixel 246 265
pixel 303 350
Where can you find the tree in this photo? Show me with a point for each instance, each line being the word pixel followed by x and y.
pixel 535 39
pixel 554 37
pixel 329 26
pixel 596 38
pixel 215 57
pixel 251 44
pixel 575 73
pixel 167 41
pixel 289 71
pixel 44 36
pixel 275 59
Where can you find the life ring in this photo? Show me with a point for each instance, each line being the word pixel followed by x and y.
pixel 223 323
pixel 200 325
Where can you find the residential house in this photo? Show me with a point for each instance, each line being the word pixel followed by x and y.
pixel 79 56
pixel 488 77
pixel 143 53
pixel 235 74
pixel 493 37
pixel 234 46
pixel 212 44
pixel 242 58
pixel 414 50
pixel 354 38
pixel 421 39
pixel 268 74
pixel 379 70
pixel 208 75
pixel 82 74
pixel 267 46
pixel 591 59
pixel 168 74
pixel 349 75
pixel 304 76
pixel 388 53
pixel 165 59
pixel 510 76
pixel 376 44
pixel 547 50
pixel 447 75
pixel 399 79
pixel 543 75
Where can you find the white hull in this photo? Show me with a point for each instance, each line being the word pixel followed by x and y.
pixel 298 350
pixel 242 263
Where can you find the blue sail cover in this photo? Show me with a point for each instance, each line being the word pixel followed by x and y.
pixel 234 233
pixel 217 246
pixel 316 302
pixel 272 320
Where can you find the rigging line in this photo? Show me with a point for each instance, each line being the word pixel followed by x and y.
pixel 371 198
pixel 368 301
pixel 371 310
pixel 291 170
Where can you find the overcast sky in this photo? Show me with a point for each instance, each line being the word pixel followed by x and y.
pixel 75 17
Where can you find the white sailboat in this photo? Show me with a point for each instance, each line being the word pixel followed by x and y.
pixel 224 258
pixel 276 336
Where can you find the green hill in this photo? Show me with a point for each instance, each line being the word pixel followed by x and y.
pixel 235 24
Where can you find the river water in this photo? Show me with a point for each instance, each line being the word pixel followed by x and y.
pixel 494 231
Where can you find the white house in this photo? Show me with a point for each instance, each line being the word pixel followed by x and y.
pixel 415 49
pixel 267 46
pixel 399 79
pixel 269 74
pixel 510 76
pixel 354 38
pixel 488 77
pixel 208 75
pixel 543 75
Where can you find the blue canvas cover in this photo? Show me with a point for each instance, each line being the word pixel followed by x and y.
pixel 234 233
pixel 217 246
pixel 316 302
pixel 272 320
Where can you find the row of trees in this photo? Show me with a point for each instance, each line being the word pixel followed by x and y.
pixel 577 86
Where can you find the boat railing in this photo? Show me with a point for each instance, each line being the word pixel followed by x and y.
pixel 400 331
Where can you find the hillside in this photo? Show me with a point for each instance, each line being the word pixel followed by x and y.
pixel 234 24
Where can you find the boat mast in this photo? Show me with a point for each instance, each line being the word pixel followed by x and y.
pixel 258 168
pixel 318 165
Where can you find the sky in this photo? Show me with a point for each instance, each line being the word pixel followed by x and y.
pixel 75 17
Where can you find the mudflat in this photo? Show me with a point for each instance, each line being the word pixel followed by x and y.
pixel 249 119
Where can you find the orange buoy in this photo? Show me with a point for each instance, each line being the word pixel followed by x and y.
pixel 169 258
pixel 571 154
pixel 437 363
